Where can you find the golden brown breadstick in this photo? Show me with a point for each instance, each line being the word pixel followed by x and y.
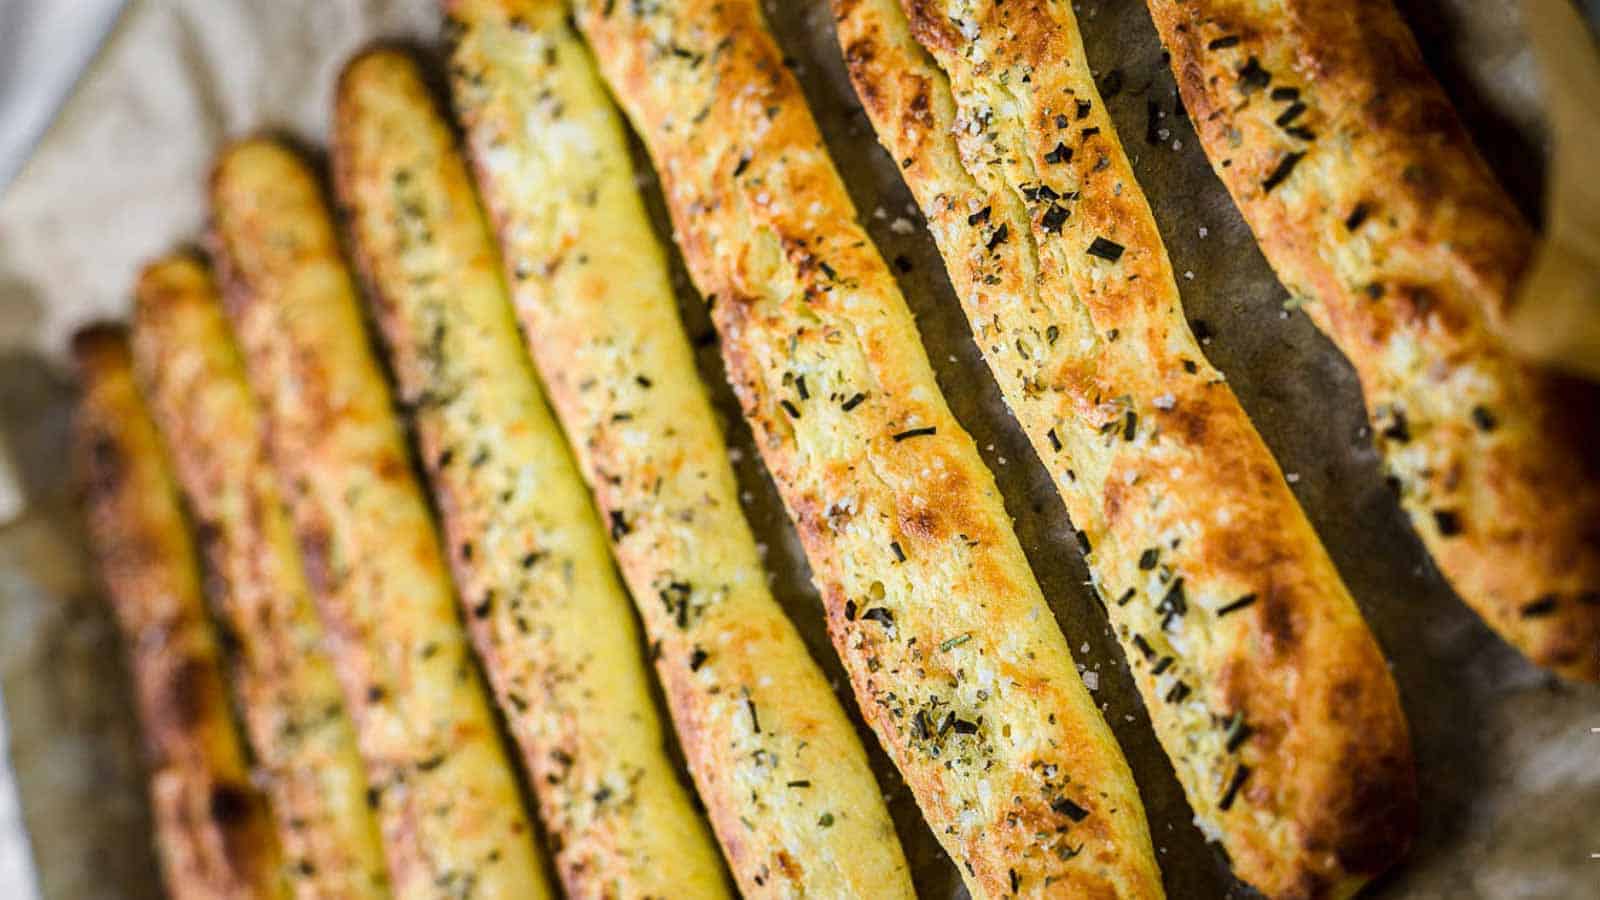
pixel 1372 205
pixel 551 621
pixel 186 360
pixel 448 805
pixel 213 829
pixel 1265 686
pixel 955 659
pixel 795 804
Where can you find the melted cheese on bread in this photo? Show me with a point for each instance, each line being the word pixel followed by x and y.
pixel 956 661
pixel 552 623
pixel 288 696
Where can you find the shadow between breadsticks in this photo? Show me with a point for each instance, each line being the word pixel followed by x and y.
pixel 1264 684
pixel 954 656
pixel 214 833
pixel 1370 201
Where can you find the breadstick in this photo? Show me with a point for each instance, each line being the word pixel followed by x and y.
pixel 794 804
pixel 213 831
pixel 292 709
pixel 447 801
pixel 551 622
pixel 1263 682
pixel 1372 205
pixel 956 660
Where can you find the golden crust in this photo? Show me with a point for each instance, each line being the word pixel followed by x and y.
pixel 447 801
pixel 213 830
pixel 954 657
pixel 305 747
pixel 1370 202
pixel 1264 684
pixel 551 622
pixel 602 324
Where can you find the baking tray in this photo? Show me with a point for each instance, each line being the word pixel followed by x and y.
pixel 1508 758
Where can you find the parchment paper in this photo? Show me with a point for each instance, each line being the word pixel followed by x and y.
pixel 1509 763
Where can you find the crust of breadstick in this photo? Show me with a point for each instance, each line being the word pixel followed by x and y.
pixel 954 656
pixel 1372 205
pixel 447 800
pixel 213 830
pixel 289 698
pixel 546 611
pixel 794 804
pixel 1263 682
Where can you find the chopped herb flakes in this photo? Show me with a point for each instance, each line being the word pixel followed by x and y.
pixel 880 615
pixel 1294 111
pixel 1223 43
pixel 1483 419
pixel 1061 154
pixel 1234 784
pixel 1143 646
pixel 1236 605
pixel 915 432
pixel 1110 251
pixel 1397 430
pixel 1252 77
pixel 1284 169
pixel 1071 810
pixel 1543 606
pixel 1239 731
pixel 951 643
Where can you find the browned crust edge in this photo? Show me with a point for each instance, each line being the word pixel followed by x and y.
pixel 212 826
pixel 1371 201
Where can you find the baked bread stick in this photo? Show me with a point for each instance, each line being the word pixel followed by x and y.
pixel 1263 682
pixel 446 796
pixel 954 656
pixel 1369 200
pixel 546 611
pixel 305 748
pixel 794 804
pixel 213 831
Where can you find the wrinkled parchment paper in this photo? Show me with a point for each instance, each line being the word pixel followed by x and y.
pixel 1509 759
pixel 1557 313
